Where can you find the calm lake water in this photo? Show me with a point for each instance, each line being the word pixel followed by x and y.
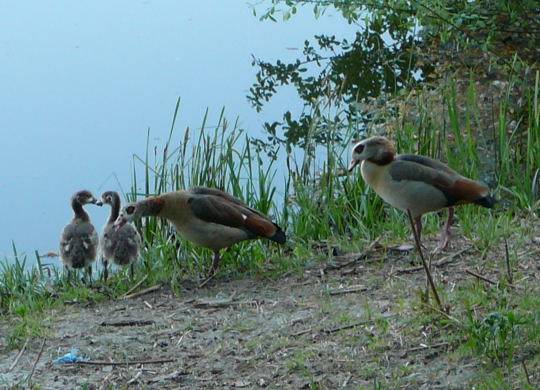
pixel 81 84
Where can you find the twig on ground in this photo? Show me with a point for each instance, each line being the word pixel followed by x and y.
pixel 104 363
pixel 438 263
pixel 301 333
pixel 142 292
pixel 37 360
pixel 128 323
pixel 508 267
pixel 426 268
pixel 212 303
pixel 135 378
pixel 348 290
pixel 489 280
pixel 447 315
pixel 105 380
pixel 334 330
pixel 356 258
pixel 168 377
pixel 18 356
pixel 480 277
pixel 216 303
pixel 526 372
pixel 422 347
pixel 135 287
pixel 205 281
pixel 346 381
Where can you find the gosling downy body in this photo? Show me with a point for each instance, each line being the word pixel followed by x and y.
pixel 79 239
pixel 417 183
pixel 120 246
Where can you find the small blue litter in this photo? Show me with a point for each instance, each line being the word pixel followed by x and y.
pixel 70 357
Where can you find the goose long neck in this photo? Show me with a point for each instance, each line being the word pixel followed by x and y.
pixel 115 210
pixel 79 211
pixel 383 156
pixel 152 206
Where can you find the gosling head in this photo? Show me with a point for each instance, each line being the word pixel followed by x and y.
pixel 84 197
pixel 109 197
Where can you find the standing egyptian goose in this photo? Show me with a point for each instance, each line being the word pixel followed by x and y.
pixel 119 246
pixel 79 239
pixel 207 217
pixel 417 183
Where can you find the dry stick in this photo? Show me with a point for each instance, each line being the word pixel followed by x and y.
pixel 135 378
pixel 334 330
pixel 426 268
pixel 135 287
pixel 488 280
pixel 18 356
pixel 142 292
pixel 104 363
pixel 438 263
pixel 207 280
pixel 359 257
pixel 301 333
pixel 346 381
pixel 37 360
pixel 349 290
pixel 526 372
pixel 508 268
pixel 128 323
pixel 444 314
pixel 104 381
pixel 422 347
pixel 481 277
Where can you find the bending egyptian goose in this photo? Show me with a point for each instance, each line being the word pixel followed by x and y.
pixel 207 217
pixel 79 239
pixel 417 183
pixel 119 246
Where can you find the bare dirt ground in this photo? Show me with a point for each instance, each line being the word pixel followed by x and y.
pixel 348 322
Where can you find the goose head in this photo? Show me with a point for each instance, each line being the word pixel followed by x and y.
pixel 109 197
pixel 128 213
pixel 84 197
pixel 378 150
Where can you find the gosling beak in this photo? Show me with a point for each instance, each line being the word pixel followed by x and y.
pixel 94 201
pixel 99 203
pixel 353 164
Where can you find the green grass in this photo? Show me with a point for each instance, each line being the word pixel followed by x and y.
pixel 319 203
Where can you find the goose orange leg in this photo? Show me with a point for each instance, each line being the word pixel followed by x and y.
pixel 105 270
pixel 445 234
pixel 215 264
pixel 418 227
pixel 89 268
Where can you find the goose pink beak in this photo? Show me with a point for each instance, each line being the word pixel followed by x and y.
pixel 120 221
pixel 353 164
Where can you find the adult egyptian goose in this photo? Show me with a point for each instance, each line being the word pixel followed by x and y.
pixel 79 239
pixel 207 217
pixel 119 246
pixel 417 183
